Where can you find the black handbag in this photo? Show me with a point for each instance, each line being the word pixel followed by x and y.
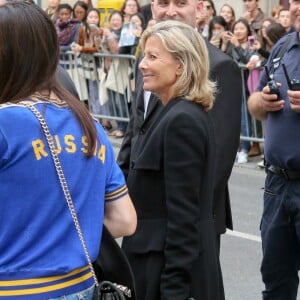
pixel 106 290
pixel 112 265
pixel 110 255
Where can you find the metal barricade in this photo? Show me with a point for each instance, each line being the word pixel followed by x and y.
pixel 112 77
pixel 254 128
pixel 104 81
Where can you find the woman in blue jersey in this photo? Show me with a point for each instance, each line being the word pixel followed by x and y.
pixel 41 256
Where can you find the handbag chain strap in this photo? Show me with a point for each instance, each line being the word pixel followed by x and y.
pixel 64 185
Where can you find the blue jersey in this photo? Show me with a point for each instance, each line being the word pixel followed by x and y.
pixel 41 256
pixel 282 135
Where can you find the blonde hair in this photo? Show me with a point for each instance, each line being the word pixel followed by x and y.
pixel 186 45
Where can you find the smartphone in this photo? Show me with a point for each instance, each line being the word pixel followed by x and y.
pixel 216 35
pixel 251 40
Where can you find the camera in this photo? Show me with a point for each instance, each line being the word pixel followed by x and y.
pixel 294 84
pixel 272 85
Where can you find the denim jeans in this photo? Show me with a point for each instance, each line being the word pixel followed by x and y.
pixel 280 232
pixel 82 295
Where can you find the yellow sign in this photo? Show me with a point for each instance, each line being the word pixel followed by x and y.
pixel 106 7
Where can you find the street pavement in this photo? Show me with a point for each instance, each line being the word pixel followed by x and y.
pixel 241 249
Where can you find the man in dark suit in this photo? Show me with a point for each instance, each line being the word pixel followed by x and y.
pixel 225 113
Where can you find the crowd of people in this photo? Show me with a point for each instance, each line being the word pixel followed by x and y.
pixel 199 75
pixel 247 39
pixel 79 30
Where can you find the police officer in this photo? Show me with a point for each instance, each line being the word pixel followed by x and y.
pixel 280 225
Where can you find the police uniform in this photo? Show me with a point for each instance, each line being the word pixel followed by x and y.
pixel 280 225
pixel 41 256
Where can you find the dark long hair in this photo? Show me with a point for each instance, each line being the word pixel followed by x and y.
pixel 215 20
pixel 246 23
pixel 85 23
pixel 275 32
pixel 82 5
pixel 29 56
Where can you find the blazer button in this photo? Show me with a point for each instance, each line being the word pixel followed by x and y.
pixel 142 131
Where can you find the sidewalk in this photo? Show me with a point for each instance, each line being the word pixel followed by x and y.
pixel 251 164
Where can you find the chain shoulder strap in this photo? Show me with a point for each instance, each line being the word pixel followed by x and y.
pixel 64 185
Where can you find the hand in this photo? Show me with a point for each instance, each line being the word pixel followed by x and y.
pixel 77 48
pixel 215 42
pixel 253 62
pixel 251 65
pixel 106 32
pixel 137 31
pixel 269 102
pixel 226 36
pixel 294 97
pixel 257 45
pixel 234 41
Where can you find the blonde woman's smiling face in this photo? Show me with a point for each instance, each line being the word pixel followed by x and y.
pixel 159 68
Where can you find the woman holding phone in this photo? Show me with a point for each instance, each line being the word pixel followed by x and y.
pixel 236 44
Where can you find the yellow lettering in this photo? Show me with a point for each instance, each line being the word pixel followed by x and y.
pixel 69 142
pixel 101 153
pixel 39 149
pixel 84 143
pixel 58 145
pixel 95 151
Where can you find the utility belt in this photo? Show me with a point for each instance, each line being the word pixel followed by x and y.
pixel 287 174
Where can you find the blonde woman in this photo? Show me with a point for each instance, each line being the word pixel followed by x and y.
pixel 173 253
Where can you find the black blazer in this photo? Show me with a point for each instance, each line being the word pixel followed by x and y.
pixel 226 116
pixel 173 252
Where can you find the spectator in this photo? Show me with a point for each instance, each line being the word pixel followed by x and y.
pixel 207 14
pixel 228 13
pixel 80 9
pixel 113 32
pixel 136 26
pixel 89 41
pixel 236 45
pixel 285 20
pixel 117 100
pixel 66 27
pixel 275 11
pixel 42 247
pixel 51 9
pixel 253 14
pixel 217 27
pixel 274 33
pixel 262 43
pixel 129 8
